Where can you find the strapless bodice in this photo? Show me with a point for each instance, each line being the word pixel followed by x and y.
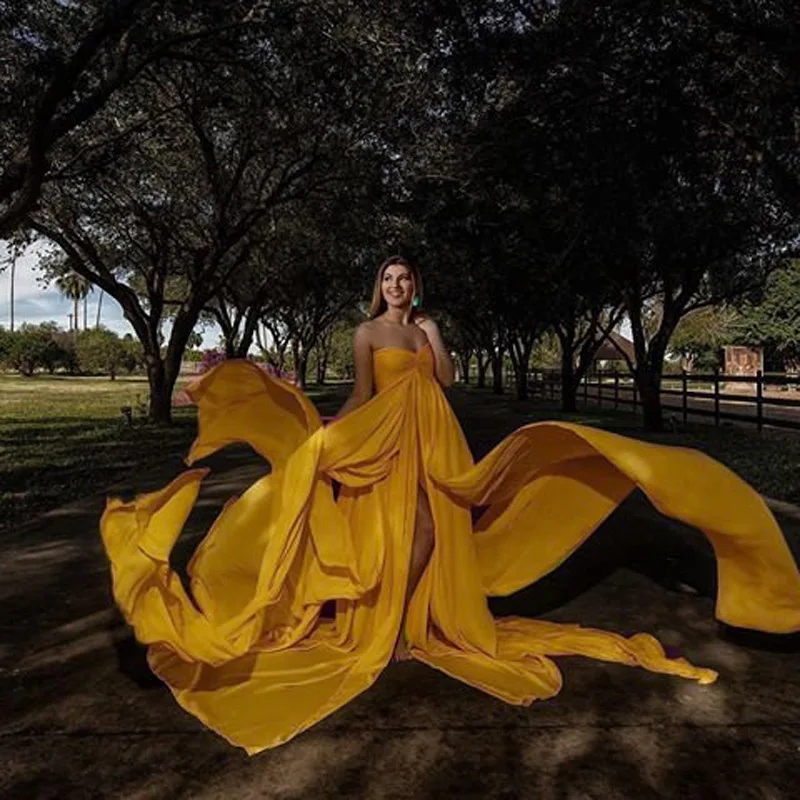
pixel 390 364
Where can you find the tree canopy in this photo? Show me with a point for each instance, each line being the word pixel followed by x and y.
pixel 552 167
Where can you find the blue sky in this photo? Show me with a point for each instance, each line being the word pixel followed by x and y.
pixel 35 302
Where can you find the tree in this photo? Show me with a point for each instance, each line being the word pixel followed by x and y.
pixel 166 225
pixel 5 345
pixel 100 351
pixel 676 215
pixel 774 321
pixel 76 288
pixel 699 335
pixel 173 220
pixel 64 64
pixel 630 128
pixel 33 347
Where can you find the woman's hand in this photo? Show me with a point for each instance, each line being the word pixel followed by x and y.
pixel 425 323
pixel 445 370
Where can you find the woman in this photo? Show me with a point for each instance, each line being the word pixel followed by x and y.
pixel 252 657
pixel 395 322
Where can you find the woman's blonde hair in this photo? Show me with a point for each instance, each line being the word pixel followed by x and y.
pixel 378 304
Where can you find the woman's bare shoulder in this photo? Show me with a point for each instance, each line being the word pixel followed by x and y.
pixel 365 332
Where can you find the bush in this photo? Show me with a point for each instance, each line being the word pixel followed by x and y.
pixel 133 354
pixel 213 357
pixel 100 351
pixel 33 347
pixel 66 358
pixel 5 344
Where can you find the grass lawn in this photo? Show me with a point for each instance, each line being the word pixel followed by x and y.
pixel 63 438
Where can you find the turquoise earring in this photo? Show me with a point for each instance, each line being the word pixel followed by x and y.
pixel 416 302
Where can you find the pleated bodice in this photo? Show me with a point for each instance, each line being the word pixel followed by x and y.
pixel 391 364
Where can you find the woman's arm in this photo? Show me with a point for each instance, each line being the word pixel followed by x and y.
pixel 362 357
pixel 445 370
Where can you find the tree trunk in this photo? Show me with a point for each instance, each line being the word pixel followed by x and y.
pixel 99 309
pixel 465 358
pixel 281 351
pixel 248 332
pixel 320 370
pixel 569 383
pixel 229 328
pixel 230 343
pixel 163 371
pixel 649 366
pixel 160 412
pixel 520 352
pixel 497 371
pixel 648 383
pixel 75 320
pixel 300 368
pixel 521 382
pixel 300 358
pixel 482 362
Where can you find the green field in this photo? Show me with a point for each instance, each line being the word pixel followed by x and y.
pixel 62 438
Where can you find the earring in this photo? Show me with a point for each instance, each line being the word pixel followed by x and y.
pixel 416 302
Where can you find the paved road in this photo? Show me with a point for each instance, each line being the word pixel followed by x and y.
pixel 83 718
pixel 673 405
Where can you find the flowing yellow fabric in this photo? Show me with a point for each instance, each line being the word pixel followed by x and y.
pixel 248 652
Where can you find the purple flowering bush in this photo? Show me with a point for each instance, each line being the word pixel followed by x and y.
pixel 216 355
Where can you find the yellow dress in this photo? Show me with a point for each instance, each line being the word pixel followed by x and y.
pixel 250 655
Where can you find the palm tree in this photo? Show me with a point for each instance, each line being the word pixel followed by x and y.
pixel 76 287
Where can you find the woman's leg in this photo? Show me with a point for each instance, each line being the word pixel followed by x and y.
pixel 421 549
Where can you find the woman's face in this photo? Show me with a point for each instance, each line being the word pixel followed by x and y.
pixel 397 286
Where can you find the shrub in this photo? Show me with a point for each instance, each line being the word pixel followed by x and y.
pixel 33 347
pixel 100 351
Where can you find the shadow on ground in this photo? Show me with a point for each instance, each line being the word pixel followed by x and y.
pixel 83 716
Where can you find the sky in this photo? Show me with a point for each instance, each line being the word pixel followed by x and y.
pixel 35 302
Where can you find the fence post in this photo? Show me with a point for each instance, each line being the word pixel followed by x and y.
pixel 716 396
pixel 616 389
pixel 685 398
pixel 759 399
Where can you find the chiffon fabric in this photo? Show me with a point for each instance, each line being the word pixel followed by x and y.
pixel 248 652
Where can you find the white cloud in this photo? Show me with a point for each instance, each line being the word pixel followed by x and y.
pixel 35 302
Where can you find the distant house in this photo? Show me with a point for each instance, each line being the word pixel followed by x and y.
pixel 607 352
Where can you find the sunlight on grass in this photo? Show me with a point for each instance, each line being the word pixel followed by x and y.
pixel 42 396
pixel 62 438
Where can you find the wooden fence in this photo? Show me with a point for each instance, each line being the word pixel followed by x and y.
pixel 763 399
